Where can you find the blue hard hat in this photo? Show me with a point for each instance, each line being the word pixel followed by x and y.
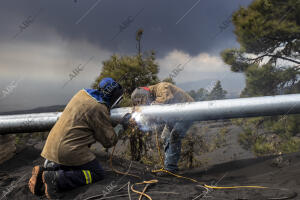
pixel 111 90
pixel 106 82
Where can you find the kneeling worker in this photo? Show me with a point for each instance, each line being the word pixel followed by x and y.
pixel 173 132
pixel 69 160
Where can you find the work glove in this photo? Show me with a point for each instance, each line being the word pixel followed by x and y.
pixel 119 130
pixel 126 120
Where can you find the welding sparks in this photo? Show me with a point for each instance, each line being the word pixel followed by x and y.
pixel 141 121
pixel 137 116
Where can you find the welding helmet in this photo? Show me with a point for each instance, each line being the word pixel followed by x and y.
pixel 141 96
pixel 112 91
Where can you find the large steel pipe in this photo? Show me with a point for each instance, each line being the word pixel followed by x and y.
pixel 27 123
pixel 195 111
pixel 218 109
pixel 33 115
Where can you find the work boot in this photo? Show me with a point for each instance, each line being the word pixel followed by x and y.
pixel 35 183
pixel 50 182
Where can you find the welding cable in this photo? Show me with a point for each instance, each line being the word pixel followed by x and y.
pixel 173 174
pixel 235 187
pixel 194 180
pixel 127 174
pixel 145 188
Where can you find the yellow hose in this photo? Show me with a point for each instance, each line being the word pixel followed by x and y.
pixel 194 180
pixel 143 193
pixel 166 171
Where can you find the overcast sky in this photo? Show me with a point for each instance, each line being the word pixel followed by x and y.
pixel 42 42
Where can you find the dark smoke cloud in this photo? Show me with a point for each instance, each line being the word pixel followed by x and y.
pixel 43 41
pixel 167 24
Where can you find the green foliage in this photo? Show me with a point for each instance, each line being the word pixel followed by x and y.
pixel 290 146
pixel 293 125
pixel 137 144
pixel 268 80
pixel 265 24
pixel 188 152
pixel 199 95
pixel 247 138
pixel 130 71
pixel 219 140
pixel 262 148
pixel 286 126
pixel 261 29
pixel 268 32
pixel 217 92
pixel 19 140
pixel 270 135
pixel 203 94
pixel 233 58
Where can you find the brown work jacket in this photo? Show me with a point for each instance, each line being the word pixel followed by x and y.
pixel 83 122
pixel 167 93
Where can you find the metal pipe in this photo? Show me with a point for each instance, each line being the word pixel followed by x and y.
pixel 217 109
pixel 33 115
pixel 195 111
pixel 27 123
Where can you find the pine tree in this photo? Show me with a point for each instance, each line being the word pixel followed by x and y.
pixel 130 71
pixel 217 92
pixel 268 32
pixel 269 35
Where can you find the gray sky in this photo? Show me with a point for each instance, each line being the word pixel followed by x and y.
pixel 42 42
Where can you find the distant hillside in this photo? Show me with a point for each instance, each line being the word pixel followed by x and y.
pixel 55 108
pixel 229 85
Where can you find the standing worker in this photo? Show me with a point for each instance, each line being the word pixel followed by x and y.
pixel 69 161
pixel 173 133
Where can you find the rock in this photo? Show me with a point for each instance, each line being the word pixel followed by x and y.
pixel 7 147
pixel 280 162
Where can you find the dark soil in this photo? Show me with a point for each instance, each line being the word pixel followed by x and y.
pixel 280 174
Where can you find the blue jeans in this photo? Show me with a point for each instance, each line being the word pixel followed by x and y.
pixel 70 177
pixel 172 143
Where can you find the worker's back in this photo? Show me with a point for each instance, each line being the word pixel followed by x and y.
pixel 83 121
pixel 167 93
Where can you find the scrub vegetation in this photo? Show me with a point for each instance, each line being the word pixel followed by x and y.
pixel 268 34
